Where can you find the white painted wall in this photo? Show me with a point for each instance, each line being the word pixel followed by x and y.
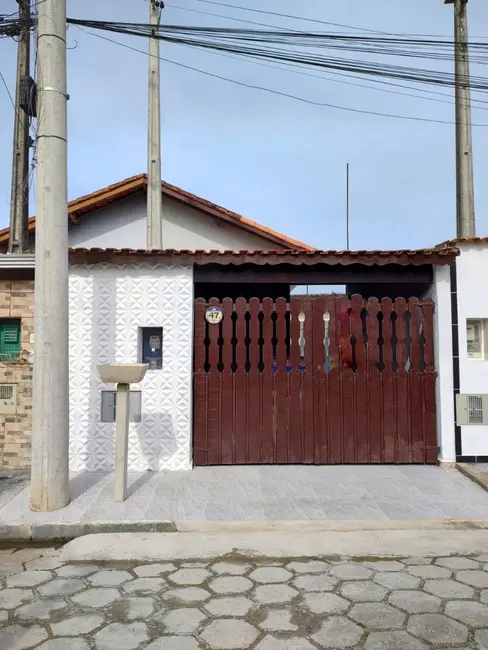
pixel 472 287
pixel 123 225
pixel 444 364
pixel 108 305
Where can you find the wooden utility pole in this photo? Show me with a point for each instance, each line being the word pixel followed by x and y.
pixel 465 212
pixel 50 409
pixel 19 195
pixel 154 198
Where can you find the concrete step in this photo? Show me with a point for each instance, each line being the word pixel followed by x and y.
pixel 150 547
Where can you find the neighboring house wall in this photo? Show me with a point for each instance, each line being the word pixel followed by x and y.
pixel 108 306
pixel 123 225
pixel 472 295
pixel 17 302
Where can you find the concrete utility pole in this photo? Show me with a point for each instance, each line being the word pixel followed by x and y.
pixel 50 422
pixel 154 208
pixel 19 196
pixel 465 217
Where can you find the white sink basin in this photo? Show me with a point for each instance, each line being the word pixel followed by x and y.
pixel 122 373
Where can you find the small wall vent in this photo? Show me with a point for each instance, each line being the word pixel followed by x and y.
pixel 471 409
pixel 8 399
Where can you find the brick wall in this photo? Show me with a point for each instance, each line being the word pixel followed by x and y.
pixel 17 301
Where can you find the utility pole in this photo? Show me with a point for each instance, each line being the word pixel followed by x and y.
pixel 465 211
pixel 19 196
pixel 154 199
pixel 50 421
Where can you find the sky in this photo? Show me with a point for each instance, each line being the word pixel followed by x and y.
pixel 275 160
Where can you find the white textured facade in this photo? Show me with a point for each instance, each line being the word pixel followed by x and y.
pixel 108 306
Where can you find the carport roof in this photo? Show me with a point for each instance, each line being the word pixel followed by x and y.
pixel 432 256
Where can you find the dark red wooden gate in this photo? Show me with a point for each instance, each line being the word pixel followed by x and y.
pixel 317 380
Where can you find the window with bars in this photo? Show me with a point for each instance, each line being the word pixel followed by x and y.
pixel 9 339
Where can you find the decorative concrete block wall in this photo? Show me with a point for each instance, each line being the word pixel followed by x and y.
pixel 108 306
pixel 17 301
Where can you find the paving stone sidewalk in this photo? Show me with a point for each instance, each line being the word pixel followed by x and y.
pixel 236 603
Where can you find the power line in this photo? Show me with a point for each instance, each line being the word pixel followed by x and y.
pixel 232 18
pixel 277 92
pixel 7 89
pixel 275 13
pixel 229 40
pixel 286 68
pixel 310 20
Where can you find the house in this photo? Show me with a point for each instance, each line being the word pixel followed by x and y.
pixel 112 217
pixel 241 371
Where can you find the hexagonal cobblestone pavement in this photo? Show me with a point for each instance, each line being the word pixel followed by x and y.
pixel 233 603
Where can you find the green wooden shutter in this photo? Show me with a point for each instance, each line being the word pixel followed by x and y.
pixel 9 340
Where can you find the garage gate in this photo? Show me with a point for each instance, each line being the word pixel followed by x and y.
pixel 316 379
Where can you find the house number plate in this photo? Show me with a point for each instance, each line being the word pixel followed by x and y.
pixel 214 315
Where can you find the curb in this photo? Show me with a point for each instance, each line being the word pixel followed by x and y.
pixel 61 532
pixel 64 532
pixel 466 470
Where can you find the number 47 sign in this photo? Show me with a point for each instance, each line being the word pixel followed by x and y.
pixel 214 315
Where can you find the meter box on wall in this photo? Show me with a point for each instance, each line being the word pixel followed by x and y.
pixel 152 347
pixel 8 399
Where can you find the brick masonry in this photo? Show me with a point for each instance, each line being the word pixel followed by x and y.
pixel 17 301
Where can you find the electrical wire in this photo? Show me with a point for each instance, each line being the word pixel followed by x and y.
pixel 287 68
pixel 259 44
pixel 7 89
pixel 277 92
pixel 231 18
pixel 275 13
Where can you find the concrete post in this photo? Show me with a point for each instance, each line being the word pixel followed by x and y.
pixel 122 374
pixel 121 441
pixel 154 191
pixel 19 197
pixel 464 146
pixel 50 410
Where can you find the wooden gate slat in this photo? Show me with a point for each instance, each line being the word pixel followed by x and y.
pixel 389 413
pixel 294 375
pixel 255 392
pixel 417 439
pixel 361 404
pixel 333 381
pixel 214 440
pixel 375 405
pixel 242 384
pixel 428 379
pixel 283 395
pixel 227 379
pixel 268 396
pixel 320 399
pixel 200 402
pixel 402 385
pixel 347 384
pixel 294 382
pixel 307 390
pixel 282 386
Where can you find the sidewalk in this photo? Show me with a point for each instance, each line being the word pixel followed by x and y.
pixel 257 494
